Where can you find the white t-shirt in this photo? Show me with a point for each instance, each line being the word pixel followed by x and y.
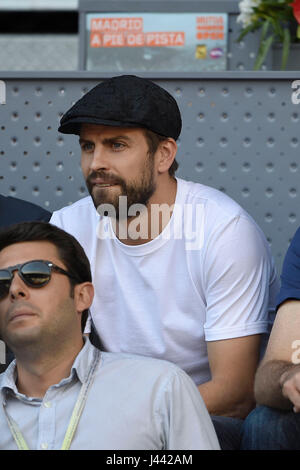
pixel 167 297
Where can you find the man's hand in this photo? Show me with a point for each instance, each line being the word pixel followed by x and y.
pixel 290 385
pixel 277 381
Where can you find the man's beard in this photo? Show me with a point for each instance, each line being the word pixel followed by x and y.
pixel 137 191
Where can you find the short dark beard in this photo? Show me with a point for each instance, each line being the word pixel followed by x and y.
pixel 137 192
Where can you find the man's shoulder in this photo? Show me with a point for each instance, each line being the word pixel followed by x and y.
pixel 14 210
pixel 197 193
pixel 295 242
pixel 75 215
pixel 80 219
pixel 85 202
pixel 290 274
pixel 291 262
pixel 224 216
pixel 292 257
pixel 143 365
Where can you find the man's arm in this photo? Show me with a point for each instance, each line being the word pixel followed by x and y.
pixel 277 382
pixel 240 282
pixel 233 364
pixel 186 422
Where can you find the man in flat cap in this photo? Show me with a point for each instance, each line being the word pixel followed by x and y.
pixel 181 271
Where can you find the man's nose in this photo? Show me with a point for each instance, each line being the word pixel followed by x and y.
pixel 100 159
pixel 18 288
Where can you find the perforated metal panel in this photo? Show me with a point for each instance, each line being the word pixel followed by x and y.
pixel 240 136
pixel 244 140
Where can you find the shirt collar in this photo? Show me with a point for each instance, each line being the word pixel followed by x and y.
pixel 84 360
pixel 79 369
pixel 8 380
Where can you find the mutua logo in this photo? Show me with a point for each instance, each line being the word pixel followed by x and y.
pixel 216 53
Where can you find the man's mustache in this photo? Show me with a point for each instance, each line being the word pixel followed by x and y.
pixel 105 177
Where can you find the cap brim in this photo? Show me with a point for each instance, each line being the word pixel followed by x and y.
pixel 73 125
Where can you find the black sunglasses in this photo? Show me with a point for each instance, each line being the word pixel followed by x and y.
pixel 35 273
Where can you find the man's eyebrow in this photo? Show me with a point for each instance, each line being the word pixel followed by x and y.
pixel 108 140
pixel 83 140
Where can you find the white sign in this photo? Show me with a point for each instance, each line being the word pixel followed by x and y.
pixel 169 42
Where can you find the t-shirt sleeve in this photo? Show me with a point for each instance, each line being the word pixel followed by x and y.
pixel 240 282
pixel 56 219
pixel 186 421
pixel 290 275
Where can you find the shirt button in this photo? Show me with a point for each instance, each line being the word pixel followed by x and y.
pixel 44 446
pixel 47 404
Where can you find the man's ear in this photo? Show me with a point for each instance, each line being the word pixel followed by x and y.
pixel 83 296
pixel 166 154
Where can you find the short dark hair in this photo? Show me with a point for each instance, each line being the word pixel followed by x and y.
pixel 69 249
pixel 153 141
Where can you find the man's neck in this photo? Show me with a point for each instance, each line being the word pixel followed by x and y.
pixel 151 222
pixel 35 376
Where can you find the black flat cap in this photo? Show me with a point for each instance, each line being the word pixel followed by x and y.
pixel 125 101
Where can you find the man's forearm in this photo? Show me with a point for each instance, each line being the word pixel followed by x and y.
pixel 268 386
pixel 221 400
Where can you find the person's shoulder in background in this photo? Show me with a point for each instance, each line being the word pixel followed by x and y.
pixel 14 210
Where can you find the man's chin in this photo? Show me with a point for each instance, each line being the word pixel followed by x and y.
pixel 20 339
pixel 110 203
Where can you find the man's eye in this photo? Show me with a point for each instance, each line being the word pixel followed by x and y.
pixel 86 146
pixel 117 145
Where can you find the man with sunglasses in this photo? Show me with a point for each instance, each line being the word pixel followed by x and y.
pixel 182 272
pixel 63 393
pixel 14 210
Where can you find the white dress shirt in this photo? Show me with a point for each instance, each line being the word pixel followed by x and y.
pixel 134 403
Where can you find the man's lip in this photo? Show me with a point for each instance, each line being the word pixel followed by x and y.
pixel 20 313
pixel 103 184
pixel 100 180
